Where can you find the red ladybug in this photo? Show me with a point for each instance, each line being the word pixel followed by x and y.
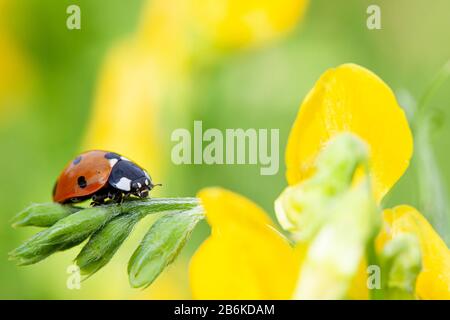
pixel 101 175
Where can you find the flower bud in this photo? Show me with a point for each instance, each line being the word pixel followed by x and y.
pixel 42 214
pixel 64 234
pixel 337 163
pixel 302 208
pixel 161 245
pixel 104 243
pixel 335 253
pixel 401 263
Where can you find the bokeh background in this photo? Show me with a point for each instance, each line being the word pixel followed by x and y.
pixel 139 69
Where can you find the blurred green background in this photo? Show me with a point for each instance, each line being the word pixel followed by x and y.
pixel 46 106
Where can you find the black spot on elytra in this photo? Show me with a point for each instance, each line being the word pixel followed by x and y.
pixel 77 160
pixel 112 155
pixel 82 182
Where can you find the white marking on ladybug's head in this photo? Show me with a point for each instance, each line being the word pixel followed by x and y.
pixel 139 185
pixel 147 182
pixel 112 162
pixel 124 184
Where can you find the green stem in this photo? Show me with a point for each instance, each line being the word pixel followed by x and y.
pixel 159 204
pixel 435 85
pixel 70 230
pixel 432 190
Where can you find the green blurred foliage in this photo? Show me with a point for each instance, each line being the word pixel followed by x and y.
pixel 263 86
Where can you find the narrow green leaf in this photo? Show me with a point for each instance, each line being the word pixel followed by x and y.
pixel 64 234
pixel 434 202
pixel 104 243
pixel 70 229
pixel 161 245
pixel 42 214
pixel 160 204
pixel 433 198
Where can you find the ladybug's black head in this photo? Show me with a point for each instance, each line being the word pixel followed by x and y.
pixel 140 187
pixel 130 179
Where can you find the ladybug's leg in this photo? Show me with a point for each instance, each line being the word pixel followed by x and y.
pixel 127 196
pixel 100 197
pixel 96 204
pixel 115 196
pixel 120 198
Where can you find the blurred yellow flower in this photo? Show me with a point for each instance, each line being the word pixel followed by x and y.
pixel 237 23
pixel 133 82
pixel 245 257
pixel 433 281
pixel 352 99
pixel 163 37
pixel 125 117
pixel 140 72
pixel 14 65
pixel 137 76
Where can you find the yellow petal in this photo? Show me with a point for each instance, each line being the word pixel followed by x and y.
pixel 237 23
pixel 358 289
pixel 163 35
pixel 433 281
pixel 16 68
pixel 352 99
pixel 138 75
pixel 245 257
pixel 126 108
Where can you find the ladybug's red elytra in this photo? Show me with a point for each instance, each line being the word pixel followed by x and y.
pixel 101 175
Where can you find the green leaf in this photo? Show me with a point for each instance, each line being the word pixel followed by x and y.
pixel 160 204
pixel 107 225
pixel 104 243
pixel 64 234
pixel 434 202
pixel 42 214
pixel 160 246
pixel 433 191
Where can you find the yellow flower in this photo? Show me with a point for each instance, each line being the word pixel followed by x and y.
pixel 243 244
pixel 237 23
pixel 140 72
pixel 352 99
pixel 135 79
pixel 125 112
pixel 433 281
pixel 15 66
pixel 245 257
pixel 163 37
pixel 348 99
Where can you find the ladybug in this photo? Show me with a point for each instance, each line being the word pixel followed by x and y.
pixel 101 176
